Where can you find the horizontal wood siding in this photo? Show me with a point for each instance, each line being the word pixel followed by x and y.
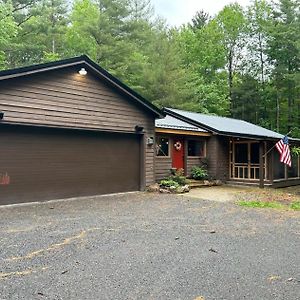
pixel 191 162
pixel 217 153
pixel 162 167
pixel 63 98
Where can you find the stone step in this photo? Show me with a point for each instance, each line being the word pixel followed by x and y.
pixel 196 184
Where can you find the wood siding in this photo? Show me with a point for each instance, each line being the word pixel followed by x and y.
pixel 163 166
pixel 217 152
pixel 63 98
pixel 191 162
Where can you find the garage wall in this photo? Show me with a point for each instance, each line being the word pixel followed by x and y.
pixel 63 98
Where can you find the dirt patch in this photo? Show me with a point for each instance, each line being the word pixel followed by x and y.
pixel 219 193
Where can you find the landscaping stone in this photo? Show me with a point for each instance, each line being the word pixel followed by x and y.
pixel 173 189
pixel 153 188
pixel 164 191
pixel 207 183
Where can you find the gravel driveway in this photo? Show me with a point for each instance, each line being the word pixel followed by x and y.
pixel 148 246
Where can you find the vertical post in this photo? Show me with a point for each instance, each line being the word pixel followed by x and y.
pixel 185 154
pixel 261 165
pixel 271 166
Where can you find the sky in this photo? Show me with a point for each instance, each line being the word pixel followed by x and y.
pixel 177 12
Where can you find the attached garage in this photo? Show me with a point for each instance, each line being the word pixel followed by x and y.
pixel 65 136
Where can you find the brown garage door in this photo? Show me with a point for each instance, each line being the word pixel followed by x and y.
pixel 39 164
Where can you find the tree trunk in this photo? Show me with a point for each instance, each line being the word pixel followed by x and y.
pixel 230 82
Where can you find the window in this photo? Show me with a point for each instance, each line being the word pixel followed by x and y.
pixel 196 148
pixel 162 146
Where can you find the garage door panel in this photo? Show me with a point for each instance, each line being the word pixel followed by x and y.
pixel 48 164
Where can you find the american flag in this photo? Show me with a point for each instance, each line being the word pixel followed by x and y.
pixel 284 150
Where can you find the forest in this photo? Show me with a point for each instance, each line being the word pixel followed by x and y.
pixel 242 63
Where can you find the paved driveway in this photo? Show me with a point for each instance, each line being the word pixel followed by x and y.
pixel 148 246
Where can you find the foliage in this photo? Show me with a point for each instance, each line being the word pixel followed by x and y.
pixel 177 176
pixel 295 205
pixel 242 62
pixel 199 173
pixel 295 151
pixel 169 183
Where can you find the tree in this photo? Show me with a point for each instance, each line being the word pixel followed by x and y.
pixel 199 20
pixel 232 23
pixel 8 29
pixel 284 54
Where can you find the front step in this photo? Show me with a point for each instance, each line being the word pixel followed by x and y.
pixel 193 184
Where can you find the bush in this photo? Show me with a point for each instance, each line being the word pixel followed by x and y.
pixel 168 183
pixel 199 173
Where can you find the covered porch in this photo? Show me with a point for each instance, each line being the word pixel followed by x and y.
pixel 257 162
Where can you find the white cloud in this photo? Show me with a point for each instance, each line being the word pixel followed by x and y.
pixel 178 12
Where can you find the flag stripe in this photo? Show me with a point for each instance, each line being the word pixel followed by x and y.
pixel 284 150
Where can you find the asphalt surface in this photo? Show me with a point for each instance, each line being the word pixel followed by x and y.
pixel 148 246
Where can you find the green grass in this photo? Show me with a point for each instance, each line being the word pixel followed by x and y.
pixel 261 204
pixel 295 205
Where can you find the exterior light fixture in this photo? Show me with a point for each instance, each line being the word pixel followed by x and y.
pixel 1 115
pixel 82 71
pixel 150 141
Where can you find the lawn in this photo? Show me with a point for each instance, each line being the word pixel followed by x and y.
pixel 286 198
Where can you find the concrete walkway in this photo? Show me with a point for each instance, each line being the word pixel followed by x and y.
pixel 218 193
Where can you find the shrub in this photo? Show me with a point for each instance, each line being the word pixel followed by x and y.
pixel 199 173
pixel 178 176
pixel 169 182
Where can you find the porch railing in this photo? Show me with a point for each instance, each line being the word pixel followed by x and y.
pixel 245 171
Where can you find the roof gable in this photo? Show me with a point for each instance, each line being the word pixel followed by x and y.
pixel 83 61
pixel 223 125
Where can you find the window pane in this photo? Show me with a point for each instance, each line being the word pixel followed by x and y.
pixel 241 153
pixel 162 146
pixel 278 166
pixel 254 153
pixel 196 148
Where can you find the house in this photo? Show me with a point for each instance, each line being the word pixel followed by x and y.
pixel 69 128
pixel 233 150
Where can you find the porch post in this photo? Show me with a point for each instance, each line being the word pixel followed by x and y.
pixel 185 155
pixel 261 165
pixel 271 166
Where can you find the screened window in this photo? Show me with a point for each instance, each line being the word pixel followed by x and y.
pixel 162 146
pixel 196 148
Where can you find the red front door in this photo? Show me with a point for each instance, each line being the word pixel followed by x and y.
pixel 178 154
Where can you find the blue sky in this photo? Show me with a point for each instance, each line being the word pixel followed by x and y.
pixel 177 12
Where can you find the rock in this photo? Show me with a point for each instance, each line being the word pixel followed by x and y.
pixel 291 279
pixel 180 190
pixel 164 191
pixel 176 238
pixel 173 189
pixel 186 188
pixel 213 250
pixel 207 182
pixel 218 182
pixel 153 188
